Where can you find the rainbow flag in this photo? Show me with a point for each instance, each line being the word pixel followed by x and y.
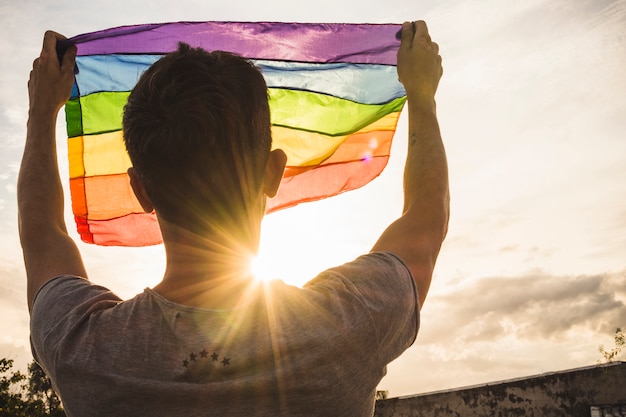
pixel 334 98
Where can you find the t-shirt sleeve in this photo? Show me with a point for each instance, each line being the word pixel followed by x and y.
pixel 60 306
pixel 376 293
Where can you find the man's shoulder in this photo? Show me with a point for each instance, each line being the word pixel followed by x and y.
pixel 59 284
pixel 372 268
pixel 65 300
pixel 66 290
pixel 377 281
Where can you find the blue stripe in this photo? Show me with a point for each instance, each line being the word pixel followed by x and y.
pixel 362 83
pixel 113 73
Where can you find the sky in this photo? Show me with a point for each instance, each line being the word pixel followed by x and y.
pixel 532 109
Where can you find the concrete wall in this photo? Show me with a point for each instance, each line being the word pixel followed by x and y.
pixel 608 411
pixel 569 393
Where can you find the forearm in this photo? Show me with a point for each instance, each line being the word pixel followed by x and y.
pixel 39 189
pixel 48 250
pixel 426 190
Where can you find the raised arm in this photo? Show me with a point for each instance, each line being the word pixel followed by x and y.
pixel 416 237
pixel 48 250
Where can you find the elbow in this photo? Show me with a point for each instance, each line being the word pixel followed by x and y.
pixel 431 217
pixel 37 234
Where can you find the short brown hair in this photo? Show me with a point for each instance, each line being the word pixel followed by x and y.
pixel 197 129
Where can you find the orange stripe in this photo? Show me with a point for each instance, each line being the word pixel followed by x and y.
pixel 108 197
pixel 358 147
pixel 77 190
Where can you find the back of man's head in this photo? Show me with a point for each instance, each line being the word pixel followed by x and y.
pixel 197 129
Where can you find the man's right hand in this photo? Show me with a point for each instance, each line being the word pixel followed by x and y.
pixel 50 82
pixel 419 63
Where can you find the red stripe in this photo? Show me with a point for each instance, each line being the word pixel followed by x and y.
pixel 138 229
pixel 83 229
pixel 325 181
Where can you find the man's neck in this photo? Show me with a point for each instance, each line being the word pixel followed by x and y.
pixel 210 271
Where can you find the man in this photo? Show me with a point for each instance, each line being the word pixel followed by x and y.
pixel 208 340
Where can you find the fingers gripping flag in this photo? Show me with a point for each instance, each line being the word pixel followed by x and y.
pixel 334 100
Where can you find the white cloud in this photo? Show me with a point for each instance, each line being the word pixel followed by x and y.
pixel 505 327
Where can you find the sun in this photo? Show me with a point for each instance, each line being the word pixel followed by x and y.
pixel 261 269
pixel 292 270
pixel 282 255
pixel 295 249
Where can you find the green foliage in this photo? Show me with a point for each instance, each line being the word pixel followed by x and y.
pixel 27 396
pixel 40 390
pixel 11 402
pixel 381 394
pixel 620 341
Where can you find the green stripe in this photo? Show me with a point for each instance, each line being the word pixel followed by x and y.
pixel 325 114
pixel 72 118
pixel 102 112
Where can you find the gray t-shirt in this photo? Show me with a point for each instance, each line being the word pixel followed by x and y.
pixel 319 350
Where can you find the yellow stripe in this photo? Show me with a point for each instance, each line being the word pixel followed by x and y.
pixel 75 156
pixel 105 153
pixel 309 148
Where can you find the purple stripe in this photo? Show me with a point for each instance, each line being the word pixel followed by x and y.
pixel 307 42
